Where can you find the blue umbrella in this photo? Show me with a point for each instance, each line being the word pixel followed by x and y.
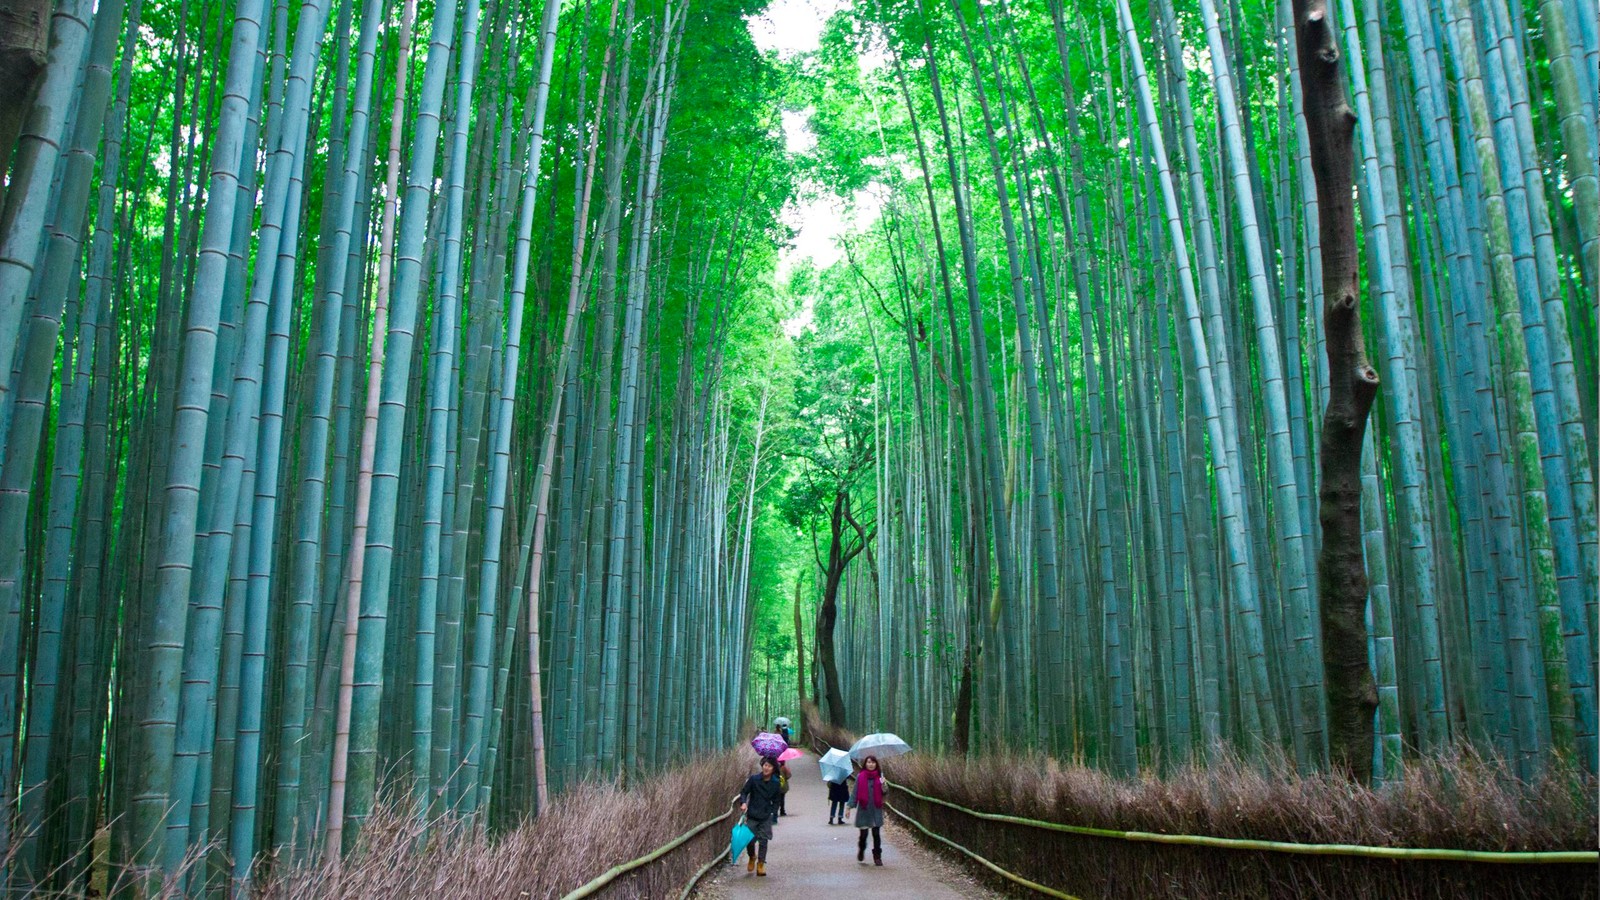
pixel 835 765
pixel 742 836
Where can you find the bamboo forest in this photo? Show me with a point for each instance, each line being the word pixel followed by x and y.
pixel 415 414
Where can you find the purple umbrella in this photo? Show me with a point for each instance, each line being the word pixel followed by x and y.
pixel 768 744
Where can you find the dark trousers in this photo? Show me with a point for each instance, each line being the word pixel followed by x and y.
pixel 836 808
pixel 877 840
pixel 758 850
pixel 783 805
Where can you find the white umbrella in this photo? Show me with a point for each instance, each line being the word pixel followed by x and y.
pixel 781 720
pixel 835 765
pixel 880 744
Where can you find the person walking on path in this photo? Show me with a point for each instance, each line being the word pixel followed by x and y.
pixel 759 800
pixel 783 788
pixel 869 810
pixel 838 796
pixel 783 768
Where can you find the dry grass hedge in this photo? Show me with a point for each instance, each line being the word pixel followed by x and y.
pixel 588 830
pixel 1459 800
pixel 1456 801
pixel 817 729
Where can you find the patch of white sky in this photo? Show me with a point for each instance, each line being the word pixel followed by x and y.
pixel 818 216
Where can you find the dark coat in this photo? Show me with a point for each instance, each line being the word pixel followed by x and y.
pixel 762 796
pixel 838 792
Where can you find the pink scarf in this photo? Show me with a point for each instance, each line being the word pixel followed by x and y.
pixel 869 788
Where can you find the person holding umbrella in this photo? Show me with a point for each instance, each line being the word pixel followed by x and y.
pixel 783 788
pixel 836 773
pixel 759 800
pixel 868 801
pixel 783 762
pixel 784 775
pixel 869 793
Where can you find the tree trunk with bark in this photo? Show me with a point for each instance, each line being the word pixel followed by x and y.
pixel 1341 569
pixel 840 553
pixel 799 647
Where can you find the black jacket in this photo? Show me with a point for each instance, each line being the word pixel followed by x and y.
pixel 762 796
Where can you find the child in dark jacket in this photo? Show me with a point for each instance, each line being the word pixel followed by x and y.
pixel 783 788
pixel 838 796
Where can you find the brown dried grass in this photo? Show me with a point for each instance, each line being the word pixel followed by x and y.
pixel 816 729
pixel 587 830
pixel 1458 800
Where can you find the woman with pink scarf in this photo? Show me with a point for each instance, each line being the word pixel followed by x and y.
pixel 868 801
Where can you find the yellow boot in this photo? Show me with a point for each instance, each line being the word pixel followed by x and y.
pixel 751 865
pixel 761 869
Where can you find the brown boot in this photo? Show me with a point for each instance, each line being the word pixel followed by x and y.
pixel 761 869
pixel 751 865
pixel 877 857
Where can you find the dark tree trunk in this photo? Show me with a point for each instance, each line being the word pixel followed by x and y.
pixel 24 36
pixel 960 740
pixel 977 573
pixel 1341 570
pixel 816 660
pixel 799 646
pixel 839 556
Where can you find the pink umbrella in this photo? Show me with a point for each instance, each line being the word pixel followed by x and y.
pixel 791 753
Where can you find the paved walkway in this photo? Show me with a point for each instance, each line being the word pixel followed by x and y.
pixel 809 854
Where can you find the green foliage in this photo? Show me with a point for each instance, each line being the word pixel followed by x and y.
pixel 857 377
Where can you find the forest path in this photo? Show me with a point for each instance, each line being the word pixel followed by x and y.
pixel 809 855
